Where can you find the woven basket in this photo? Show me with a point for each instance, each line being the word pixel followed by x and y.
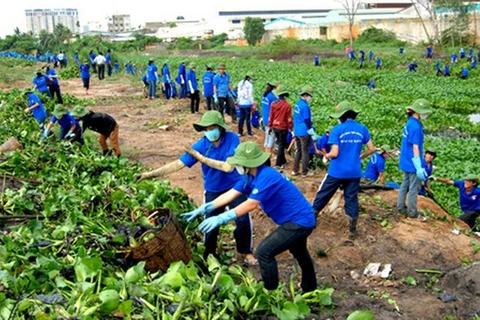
pixel 11 144
pixel 168 245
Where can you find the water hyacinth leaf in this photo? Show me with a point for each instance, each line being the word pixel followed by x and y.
pixel 118 195
pixel 23 305
pixel 135 273
pixel 87 268
pixel 173 279
pixel 125 308
pixel 361 315
pixel 303 308
pixel 110 300
pixel 213 263
pixel 225 282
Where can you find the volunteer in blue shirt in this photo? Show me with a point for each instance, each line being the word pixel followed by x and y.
pixel 281 200
pixel 40 83
pixel 85 75
pixel 470 55
pixel 303 132
pixel 462 53
pixel 221 88
pixel 53 84
pixel 454 58
pixel 192 86
pixel 411 158
pixel 75 59
pixel 166 81
pixel 474 63
pixel 370 55
pixel 469 198
pixel 152 78
pixel 92 57
pixel 268 98
pixel 108 59
pixel 217 144
pixel 322 147
pixel 464 73
pixel 430 155
pixel 181 79
pixel 378 63
pixel 316 61
pixel 207 82
pixel 375 169
pixel 347 140
pixel 438 68
pixel 446 72
pixel 35 106
pixel 429 52
pixel 69 127
pixel 116 66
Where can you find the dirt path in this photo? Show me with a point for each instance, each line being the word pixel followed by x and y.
pixel 385 237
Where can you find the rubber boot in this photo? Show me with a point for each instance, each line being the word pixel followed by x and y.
pixel 352 227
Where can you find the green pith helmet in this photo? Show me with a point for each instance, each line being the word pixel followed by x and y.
pixel 306 90
pixel 39 71
pixel 341 108
pixel 79 111
pixel 249 154
pixel 85 61
pixel 273 83
pixel 421 106
pixel 432 151
pixel 472 177
pixel 281 92
pixel 386 148
pixel 192 66
pixel 59 111
pixel 222 66
pixel 209 66
pixel 26 90
pixel 210 118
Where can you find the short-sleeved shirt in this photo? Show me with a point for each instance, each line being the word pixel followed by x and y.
pixel 468 202
pixel 323 143
pixel 350 137
pixel 39 112
pixel 301 116
pixel 108 57
pixel 375 166
pixel 66 122
pixel 192 78
pixel 279 198
pixel 222 84
pixel 266 104
pixel 207 81
pixel 41 83
pixel 151 70
pixel 166 74
pixel 85 71
pixel 412 134
pixel 52 72
pixel 181 72
pixel 215 180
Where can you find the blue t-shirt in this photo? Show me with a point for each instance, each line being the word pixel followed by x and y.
pixel 84 71
pixel 302 118
pixel 39 112
pixel 468 202
pixel 447 69
pixel 350 137
pixel 181 71
pixel 66 122
pixel 215 180
pixel 375 166
pixel 207 81
pixel 379 62
pixel 192 77
pixel 92 57
pixel 166 74
pixel 266 103
pixel 323 143
pixel 221 83
pixel 41 83
pixel 464 72
pixel 151 69
pixel 429 170
pixel 108 58
pixel 412 134
pixel 279 198
pixel 52 72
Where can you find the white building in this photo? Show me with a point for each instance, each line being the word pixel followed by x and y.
pixel 47 19
pixel 119 23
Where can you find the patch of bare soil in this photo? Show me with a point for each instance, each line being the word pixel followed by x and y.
pixel 156 132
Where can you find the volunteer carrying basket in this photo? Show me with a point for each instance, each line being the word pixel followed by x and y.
pixel 168 244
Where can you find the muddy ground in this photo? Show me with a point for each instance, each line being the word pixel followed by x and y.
pixel 385 236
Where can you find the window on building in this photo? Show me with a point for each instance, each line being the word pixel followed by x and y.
pixel 236 21
pixel 323 31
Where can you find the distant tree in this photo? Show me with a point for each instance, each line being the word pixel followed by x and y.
pixel 351 7
pixel 62 34
pixel 253 30
pixel 47 41
pixel 172 25
pixel 180 18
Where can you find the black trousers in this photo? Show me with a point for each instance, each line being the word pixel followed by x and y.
pixel 209 103
pixel 101 71
pixel 109 70
pixel 470 217
pixel 194 101
pixel 281 136
pixel 55 90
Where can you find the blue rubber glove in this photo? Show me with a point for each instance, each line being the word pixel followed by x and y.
pixel 202 210
pixel 45 134
pixel 69 133
pixel 421 173
pixel 216 221
pixel 215 98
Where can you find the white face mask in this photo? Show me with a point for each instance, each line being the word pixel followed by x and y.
pixel 423 116
pixel 309 99
pixel 241 170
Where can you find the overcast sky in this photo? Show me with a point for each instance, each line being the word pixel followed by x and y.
pixel 141 11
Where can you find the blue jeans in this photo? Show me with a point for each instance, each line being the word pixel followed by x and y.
pixel 328 188
pixel 152 89
pixel 183 91
pixel 245 114
pixel 168 90
pixel 243 231
pixel 292 237
pixel 411 185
